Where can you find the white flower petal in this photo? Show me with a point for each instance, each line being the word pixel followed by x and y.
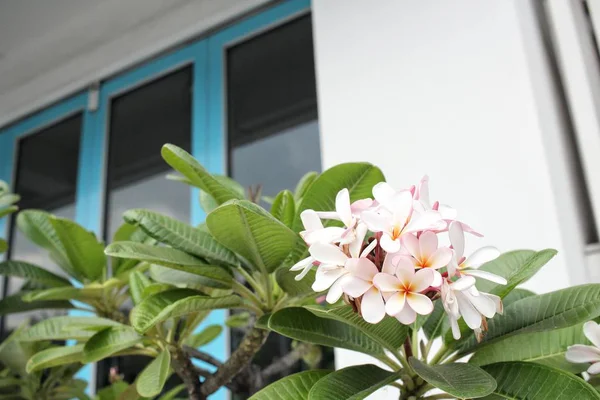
pixel 336 290
pixel 325 277
pixel 420 303
pixel 302 264
pixel 311 220
pixel 428 244
pixel 383 193
pixel 594 369
pixel 471 316
pixel 327 253
pixel 395 303
pixel 360 205
pixel 440 258
pixel 405 273
pixel 457 238
pixel 369 248
pixel 372 307
pixel 362 268
pixel 389 245
pixel 401 207
pixel 359 237
pixel 377 221
pixel 386 282
pixel 447 212
pixel 580 353
pixel 328 215
pixel 407 316
pixel 410 243
pixel 421 280
pixel 591 330
pixel 330 234
pixel 454 326
pixel 422 193
pixel 463 283
pixel 486 275
pixel 481 256
pixel 429 220
pixel 438 279
pixel 355 287
pixel 483 304
pixel 342 207
pixel 389 264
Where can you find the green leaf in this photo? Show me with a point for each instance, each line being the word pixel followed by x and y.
pixel 66 293
pixel 175 277
pixel 8 210
pixel 176 303
pixel 301 324
pixel 208 203
pixel 284 208
pixel 138 282
pixel 459 379
pixel 434 324
pixel 113 391
pixel 292 387
pixel 55 356
pixel 516 266
pixel 239 320
pixel 84 252
pixel 3 246
pixel 181 236
pixel 546 347
pixel 204 337
pixel 109 341
pixel 32 272
pixel 172 394
pixel 58 328
pixel 183 162
pixel 212 275
pixel 16 304
pixel 250 231
pixel 128 233
pixel 516 295
pixel 521 380
pixel 286 280
pixel 152 379
pixel 553 310
pixel 389 333
pixel 303 184
pixel 352 383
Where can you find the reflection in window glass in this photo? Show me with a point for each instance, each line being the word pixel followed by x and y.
pixel 46 179
pixel 141 122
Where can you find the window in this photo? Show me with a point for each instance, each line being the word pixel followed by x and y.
pixel 46 179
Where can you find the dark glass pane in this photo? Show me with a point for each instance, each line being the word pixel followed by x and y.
pixel 273 131
pixel 46 179
pixel 141 121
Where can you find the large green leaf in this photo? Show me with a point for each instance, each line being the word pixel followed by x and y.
pixel 8 210
pixel 66 293
pixel 109 341
pixel 16 304
pixel 84 252
pixel 138 282
pixel 181 236
pixel 352 383
pixel 516 266
pixel 286 280
pixel 553 310
pixel 183 162
pixel 303 184
pixel 546 347
pixel 284 208
pixel 434 324
pixel 176 303
pixel 516 295
pixel 212 275
pixel 250 231
pixel 389 333
pixel 58 328
pixel 205 336
pixel 175 277
pixel 208 203
pixel 460 380
pixel 292 387
pixel 300 324
pixel 55 356
pixel 152 379
pixel 15 353
pixel 33 273
pixel 128 233
pixel 36 226
pixel 522 380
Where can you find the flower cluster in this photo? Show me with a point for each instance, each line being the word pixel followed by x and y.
pixel 387 258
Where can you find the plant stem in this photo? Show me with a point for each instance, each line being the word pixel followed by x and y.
pixel 439 356
pixel 249 346
pixel 200 355
pixel 286 361
pixel 438 396
pixel 246 293
pixel 414 343
pixel 187 372
pixel 251 281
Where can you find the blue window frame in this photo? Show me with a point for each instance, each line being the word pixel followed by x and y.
pixel 207 57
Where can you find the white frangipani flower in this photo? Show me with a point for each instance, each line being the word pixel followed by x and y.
pixel 347 213
pixel 467 265
pixel 581 353
pixel 395 216
pixel 423 252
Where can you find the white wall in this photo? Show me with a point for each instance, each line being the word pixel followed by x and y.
pixel 458 90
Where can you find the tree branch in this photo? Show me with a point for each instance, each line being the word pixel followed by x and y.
pixel 187 372
pixel 285 362
pixel 200 355
pixel 240 358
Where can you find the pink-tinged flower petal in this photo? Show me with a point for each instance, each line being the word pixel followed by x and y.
pixel 428 244
pixel 401 207
pixel 422 192
pixel 372 307
pixel 407 316
pixel 360 205
pixel 471 316
pixel 383 193
pixel 463 283
pixel 427 221
pixel 594 369
pixel 591 330
pixel 325 235
pixel 377 221
pixel 355 287
pixel 483 304
pixel 405 273
pixel 421 280
pixel 386 282
pixel 452 266
pixel 420 303
pixel 438 279
pixel 356 244
pixel 389 245
pixel 395 303
pixel 457 238
pixel 327 253
pixel 454 326
pixel 336 290
pixel 369 248
pixel 325 277
pixel 362 268
pixel 486 275
pixel 410 243
pixel 440 258
pixel 311 220
pixel 328 215
pixel 405 261
pixel 389 264
pixel 481 256
pixel 342 207
pixel 580 353
pixel 447 212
